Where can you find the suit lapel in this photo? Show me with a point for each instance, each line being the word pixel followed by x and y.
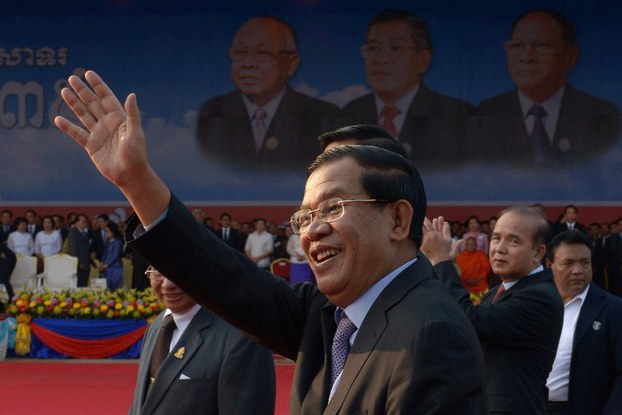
pixel 589 312
pixel 172 366
pixel 372 329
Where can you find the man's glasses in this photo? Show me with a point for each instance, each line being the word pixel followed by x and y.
pixel 153 274
pixel 539 47
pixel 259 55
pixel 328 211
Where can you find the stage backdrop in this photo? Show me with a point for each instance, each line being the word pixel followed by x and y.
pixel 176 57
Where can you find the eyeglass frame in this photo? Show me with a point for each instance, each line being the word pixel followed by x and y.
pixel 297 227
pixel 152 273
pixel 516 48
pixel 395 54
pixel 254 53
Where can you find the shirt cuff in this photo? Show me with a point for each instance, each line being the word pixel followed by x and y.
pixel 142 229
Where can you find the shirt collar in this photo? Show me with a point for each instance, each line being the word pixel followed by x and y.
pixel 509 284
pixel 579 297
pixel 270 107
pixel 551 105
pixel 360 307
pixel 182 320
pixel 403 104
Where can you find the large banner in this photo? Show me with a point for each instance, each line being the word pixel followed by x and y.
pixel 489 108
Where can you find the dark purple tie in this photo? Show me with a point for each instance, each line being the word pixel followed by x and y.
pixel 162 345
pixel 541 146
pixel 341 345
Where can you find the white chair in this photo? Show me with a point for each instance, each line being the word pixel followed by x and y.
pixel 60 271
pixel 24 275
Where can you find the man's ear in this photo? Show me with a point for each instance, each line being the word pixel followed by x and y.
pixel 540 252
pixel 402 215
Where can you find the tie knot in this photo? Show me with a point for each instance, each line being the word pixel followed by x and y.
pixel 537 111
pixel 389 112
pixel 260 114
pixel 169 323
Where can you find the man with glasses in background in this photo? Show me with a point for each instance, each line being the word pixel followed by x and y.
pixel 264 123
pixel 378 334
pixel 397 53
pixel 545 119
pixel 193 362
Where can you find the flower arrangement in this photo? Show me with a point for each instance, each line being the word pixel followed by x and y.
pixel 85 303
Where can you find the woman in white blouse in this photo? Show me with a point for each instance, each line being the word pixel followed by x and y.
pixel 48 242
pixel 21 241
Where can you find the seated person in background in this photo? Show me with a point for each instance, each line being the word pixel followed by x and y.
pixel 474 268
pixel 207 366
pixel 111 265
pixel 7 264
pixel 48 241
pixel 20 241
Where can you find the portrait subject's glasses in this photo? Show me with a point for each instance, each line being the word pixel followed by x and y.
pixel 393 51
pixel 153 274
pixel 328 211
pixel 539 47
pixel 259 55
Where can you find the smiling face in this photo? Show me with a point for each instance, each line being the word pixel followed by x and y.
pixel 171 295
pixel 269 59
pixel 513 250
pixel 393 74
pixel 540 75
pixel 572 269
pixel 350 254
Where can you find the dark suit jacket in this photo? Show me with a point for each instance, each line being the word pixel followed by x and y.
pixel 519 334
pixel 587 126
pixel 415 353
pixel 563 227
pixel 224 372
pixel 5 235
pixel 434 129
pixel 613 248
pixel 596 365
pixel 236 240
pixel 224 131
pixel 80 246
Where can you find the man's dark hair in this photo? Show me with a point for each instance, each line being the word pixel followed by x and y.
pixel 385 143
pixel 223 214
pixel 542 233
pixel 573 237
pixel 358 132
pixel 571 207
pixel 103 217
pixel 569 30
pixel 421 33
pixel 387 176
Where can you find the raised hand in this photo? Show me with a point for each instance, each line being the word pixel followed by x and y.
pixel 114 140
pixel 436 240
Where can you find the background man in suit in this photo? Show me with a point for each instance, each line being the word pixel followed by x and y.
pixel 544 119
pixel 397 53
pixel 378 334
pixel 264 122
pixel 210 367
pixel 570 222
pixel 100 236
pixel 80 247
pixel 34 227
pixel 587 373
pixel 519 321
pixel 6 225
pixel 231 236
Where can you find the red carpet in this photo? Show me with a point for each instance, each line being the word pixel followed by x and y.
pixel 68 387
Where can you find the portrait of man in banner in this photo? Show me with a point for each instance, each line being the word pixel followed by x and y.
pixel 264 123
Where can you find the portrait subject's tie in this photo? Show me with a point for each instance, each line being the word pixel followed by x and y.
pixel 541 145
pixel 388 114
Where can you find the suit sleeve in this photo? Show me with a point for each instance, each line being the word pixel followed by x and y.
pixel 247 382
pixel 614 402
pixel 521 319
pixel 224 280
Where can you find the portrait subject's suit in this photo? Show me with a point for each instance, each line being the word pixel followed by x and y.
pixel 414 353
pixel 219 372
pixel 224 131
pixel 596 365
pixel 519 334
pixel 587 126
pixel 434 128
